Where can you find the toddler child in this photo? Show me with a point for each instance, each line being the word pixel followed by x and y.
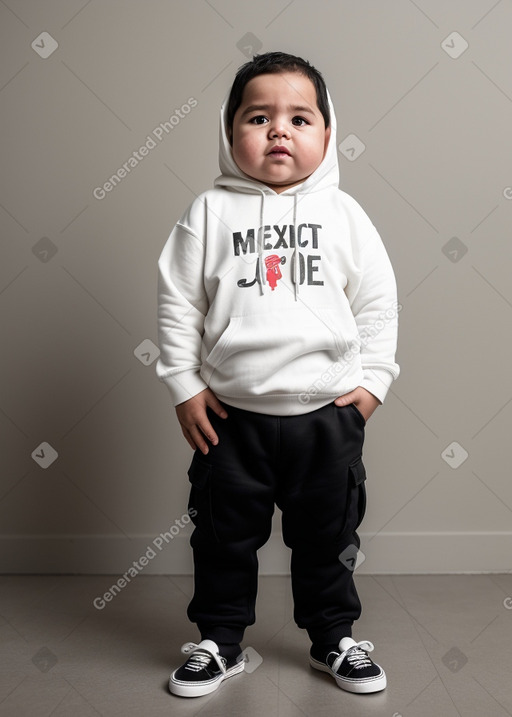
pixel 277 328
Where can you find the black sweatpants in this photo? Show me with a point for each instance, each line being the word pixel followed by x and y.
pixel 311 467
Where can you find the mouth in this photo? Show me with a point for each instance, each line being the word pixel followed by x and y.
pixel 279 152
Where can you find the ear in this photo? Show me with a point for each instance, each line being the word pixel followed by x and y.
pixel 327 138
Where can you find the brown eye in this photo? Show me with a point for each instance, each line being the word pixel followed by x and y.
pixel 299 121
pixel 259 119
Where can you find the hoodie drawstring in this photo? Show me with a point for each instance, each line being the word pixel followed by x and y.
pixel 261 278
pixel 295 272
pixel 295 258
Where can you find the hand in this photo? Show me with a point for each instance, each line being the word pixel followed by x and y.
pixel 194 420
pixel 364 401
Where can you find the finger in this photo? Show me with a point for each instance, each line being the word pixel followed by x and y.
pixel 213 402
pixel 198 439
pixel 189 439
pixel 200 431
pixel 346 399
pixel 208 431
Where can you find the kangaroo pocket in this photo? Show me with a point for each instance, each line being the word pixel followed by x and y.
pixel 279 352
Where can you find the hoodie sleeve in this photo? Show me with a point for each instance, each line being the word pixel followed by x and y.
pixel 373 299
pixel 182 307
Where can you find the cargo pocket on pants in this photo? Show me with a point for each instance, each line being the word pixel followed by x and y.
pixel 356 507
pixel 200 503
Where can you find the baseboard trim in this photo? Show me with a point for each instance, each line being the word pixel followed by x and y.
pixel 381 554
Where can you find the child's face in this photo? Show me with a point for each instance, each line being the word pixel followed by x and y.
pixel 279 110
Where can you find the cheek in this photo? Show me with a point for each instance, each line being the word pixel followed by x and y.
pixel 244 149
pixel 320 148
pixel 313 154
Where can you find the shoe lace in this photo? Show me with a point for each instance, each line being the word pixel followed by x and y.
pixel 356 655
pixel 198 661
pixel 358 658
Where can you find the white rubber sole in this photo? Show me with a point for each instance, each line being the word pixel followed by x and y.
pixel 191 689
pixel 361 687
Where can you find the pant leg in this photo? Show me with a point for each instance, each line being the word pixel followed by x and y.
pixel 231 504
pixel 322 497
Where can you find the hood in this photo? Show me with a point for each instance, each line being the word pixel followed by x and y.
pixel 325 175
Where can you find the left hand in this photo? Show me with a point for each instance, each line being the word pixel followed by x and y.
pixel 364 401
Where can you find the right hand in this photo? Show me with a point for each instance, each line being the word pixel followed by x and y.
pixel 194 420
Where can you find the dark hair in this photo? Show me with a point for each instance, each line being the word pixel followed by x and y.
pixel 274 63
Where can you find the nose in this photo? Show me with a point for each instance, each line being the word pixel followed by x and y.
pixel 278 128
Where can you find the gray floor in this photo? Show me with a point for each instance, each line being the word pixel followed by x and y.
pixel 444 641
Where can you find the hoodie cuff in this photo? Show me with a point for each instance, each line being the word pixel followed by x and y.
pixel 184 385
pixel 377 381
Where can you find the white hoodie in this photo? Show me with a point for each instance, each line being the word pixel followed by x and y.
pixel 279 303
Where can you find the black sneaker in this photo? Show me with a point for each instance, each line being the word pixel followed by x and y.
pixel 204 671
pixel 352 668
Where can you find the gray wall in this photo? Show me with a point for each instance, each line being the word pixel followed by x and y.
pixel 78 272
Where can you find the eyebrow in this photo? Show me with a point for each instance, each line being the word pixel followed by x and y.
pixel 293 108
